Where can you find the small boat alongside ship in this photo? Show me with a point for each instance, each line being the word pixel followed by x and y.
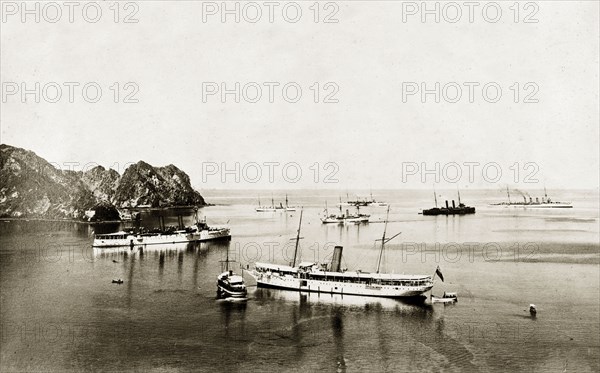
pixel 461 209
pixel 332 278
pixel 230 285
pixel 198 232
pixel 544 203
pixel 446 298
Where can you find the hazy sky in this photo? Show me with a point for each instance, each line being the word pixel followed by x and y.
pixel 374 136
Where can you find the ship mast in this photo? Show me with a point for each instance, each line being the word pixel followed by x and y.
pixel 508 194
pixel 458 191
pixel 286 201
pixel 226 261
pixel 434 196
pixel 297 240
pixel 384 240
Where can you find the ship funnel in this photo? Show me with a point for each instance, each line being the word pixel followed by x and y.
pixel 524 199
pixel 336 261
pixel 453 205
pixel 446 204
pixel 537 200
pixel 530 200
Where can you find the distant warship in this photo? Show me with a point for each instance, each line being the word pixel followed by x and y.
pixel 546 202
pixel 461 209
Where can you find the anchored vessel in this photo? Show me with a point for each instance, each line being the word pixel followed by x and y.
pixel 200 231
pixel 364 202
pixel 274 208
pixel 545 203
pixel 342 218
pixel 331 278
pixel 446 298
pixel 461 209
pixel 229 284
pixel 262 208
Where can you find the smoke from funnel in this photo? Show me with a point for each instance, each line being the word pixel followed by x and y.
pixel 523 194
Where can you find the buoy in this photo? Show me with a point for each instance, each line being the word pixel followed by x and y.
pixel 532 309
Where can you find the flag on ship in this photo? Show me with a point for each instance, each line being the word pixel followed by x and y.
pixel 439 273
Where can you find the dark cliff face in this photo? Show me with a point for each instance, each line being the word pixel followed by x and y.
pixel 32 187
pixel 101 182
pixel 142 184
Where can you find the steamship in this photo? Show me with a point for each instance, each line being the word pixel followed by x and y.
pixel 332 278
pixel 461 209
pixel 341 218
pixel 364 202
pixel 229 284
pixel 200 231
pixel 274 208
pixel 545 203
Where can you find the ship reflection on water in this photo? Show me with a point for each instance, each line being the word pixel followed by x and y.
pixel 275 328
pixel 403 305
pixel 189 248
pixel 335 332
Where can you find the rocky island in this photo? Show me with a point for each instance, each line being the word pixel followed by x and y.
pixel 32 187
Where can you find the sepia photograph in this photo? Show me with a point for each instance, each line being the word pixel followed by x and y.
pixel 299 186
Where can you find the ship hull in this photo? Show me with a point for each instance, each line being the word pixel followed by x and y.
pixel 450 211
pixel 536 206
pixel 224 292
pixel 443 300
pixel 274 209
pixel 345 220
pixel 214 235
pixel 335 287
pixel 163 239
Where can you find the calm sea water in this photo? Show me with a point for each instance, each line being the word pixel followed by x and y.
pixel 60 311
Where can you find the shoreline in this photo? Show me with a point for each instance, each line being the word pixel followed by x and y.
pixel 67 220
pixel 62 220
